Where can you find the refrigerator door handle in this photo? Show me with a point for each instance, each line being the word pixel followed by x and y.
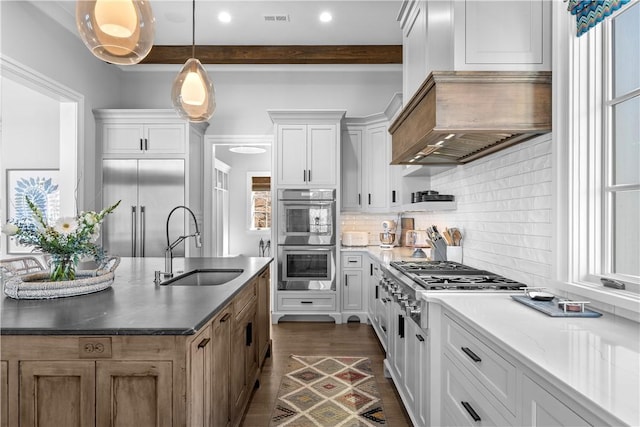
pixel 143 228
pixel 134 230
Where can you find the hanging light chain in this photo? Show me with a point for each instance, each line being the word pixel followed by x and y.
pixel 193 29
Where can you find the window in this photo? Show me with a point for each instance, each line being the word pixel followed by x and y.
pixel 260 193
pixel 606 152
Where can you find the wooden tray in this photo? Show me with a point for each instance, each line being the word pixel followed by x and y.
pixel 550 308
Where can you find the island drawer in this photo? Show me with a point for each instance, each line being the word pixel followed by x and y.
pixel 248 294
pixel 307 303
pixel 497 374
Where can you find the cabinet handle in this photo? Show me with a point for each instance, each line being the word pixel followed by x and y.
pixel 249 334
pixel 420 337
pixel 306 302
pixel 471 354
pixel 393 196
pixel 370 269
pixel 146 144
pixel 369 198
pixel 204 342
pixel 383 328
pixel 359 199
pixel 225 318
pixel 401 325
pixel 377 291
pixel 309 175
pixel 471 412
pixel 353 261
pixel 304 175
pixel 134 230
pixel 143 228
pixel 346 280
pixel 141 146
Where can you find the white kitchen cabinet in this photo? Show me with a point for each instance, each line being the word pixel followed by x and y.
pixel 125 138
pixel 510 35
pixel 497 387
pixel 369 182
pixel 307 145
pixel 351 168
pixel 541 408
pixel 473 35
pixel 353 286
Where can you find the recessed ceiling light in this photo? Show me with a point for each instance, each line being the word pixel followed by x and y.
pixel 243 149
pixel 224 17
pixel 325 17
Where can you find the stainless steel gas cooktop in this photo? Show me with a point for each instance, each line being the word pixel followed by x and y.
pixel 446 275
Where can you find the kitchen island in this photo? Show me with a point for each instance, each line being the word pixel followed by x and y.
pixel 138 353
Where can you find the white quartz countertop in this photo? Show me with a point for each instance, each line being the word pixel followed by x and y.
pixel 597 358
pixel 385 256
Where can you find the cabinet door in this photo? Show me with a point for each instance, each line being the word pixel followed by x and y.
pixel 322 155
pixel 399 342
pixel 376 164
pixel 264 321
pixel 122 138
pixel 221 366
pixel 351 169
pixel 165 138
pixel 57 394
pixel 352 290
pixel 4 392
pixel 200 379
pixel 244 360
pixel 541 408
pixel 134 393
pixel 373 295
pixel 292 155
pixel 413 360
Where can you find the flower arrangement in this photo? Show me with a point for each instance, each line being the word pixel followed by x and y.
pixel 66 241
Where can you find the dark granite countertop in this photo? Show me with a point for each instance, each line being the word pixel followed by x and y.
pixel 133 305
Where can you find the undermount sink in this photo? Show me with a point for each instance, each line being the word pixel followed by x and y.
pixel 204 277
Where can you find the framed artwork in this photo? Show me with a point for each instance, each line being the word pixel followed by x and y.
pixel 41 186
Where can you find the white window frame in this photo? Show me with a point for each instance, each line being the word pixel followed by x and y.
pixel 580 124
pixel 250 202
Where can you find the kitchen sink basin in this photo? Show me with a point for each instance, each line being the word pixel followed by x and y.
pixel 204 277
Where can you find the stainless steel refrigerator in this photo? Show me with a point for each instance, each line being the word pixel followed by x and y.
pixel 149 189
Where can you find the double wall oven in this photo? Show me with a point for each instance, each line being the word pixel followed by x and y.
pixel 306 239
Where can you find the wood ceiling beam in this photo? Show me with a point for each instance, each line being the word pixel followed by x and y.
pixel 278 54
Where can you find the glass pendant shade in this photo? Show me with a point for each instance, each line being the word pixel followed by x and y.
pixel 192 92
pixel 116 31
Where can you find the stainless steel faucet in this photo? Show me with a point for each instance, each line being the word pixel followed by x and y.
pixel 168 254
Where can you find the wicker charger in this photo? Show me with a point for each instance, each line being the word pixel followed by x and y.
pixel 36 285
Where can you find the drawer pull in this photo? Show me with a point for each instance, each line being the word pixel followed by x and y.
pixel 306 302
pixel 401 325
pixel 420 337
pixel 471 412
pixel 203 343
pixel 249 334
pixel 384 328
pixel 346 280
pixel 471 354
pixel 225 318
pixel 377 291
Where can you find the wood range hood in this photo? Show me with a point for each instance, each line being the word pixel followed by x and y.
pixel 459 116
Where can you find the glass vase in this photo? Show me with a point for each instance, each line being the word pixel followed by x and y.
pixel 63 267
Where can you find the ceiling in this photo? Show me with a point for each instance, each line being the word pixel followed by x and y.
pixel 357 22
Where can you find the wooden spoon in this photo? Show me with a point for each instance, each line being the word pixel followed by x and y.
pixel 457 237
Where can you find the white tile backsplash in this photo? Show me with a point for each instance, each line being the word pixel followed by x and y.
pixel 504 209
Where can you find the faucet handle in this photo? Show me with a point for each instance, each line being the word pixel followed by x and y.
pixel 198 238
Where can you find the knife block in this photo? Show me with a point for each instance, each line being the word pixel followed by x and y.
pixel 438 250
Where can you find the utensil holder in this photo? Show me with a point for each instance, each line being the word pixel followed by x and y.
pixel 454 253
pixel 438 250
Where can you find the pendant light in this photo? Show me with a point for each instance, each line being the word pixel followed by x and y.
pixel 116 31
pixel 192 92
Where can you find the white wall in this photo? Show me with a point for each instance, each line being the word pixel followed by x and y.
pixel 504 209
pixel 243 97
pixel 31 129
pixel 34 40
pixel 242 241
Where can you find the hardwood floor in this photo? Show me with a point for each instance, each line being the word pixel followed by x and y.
pixel 321 339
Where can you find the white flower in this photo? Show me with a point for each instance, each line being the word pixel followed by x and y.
pixel 66 225
pixel 89 218
pixel 10 229
pixel 95 234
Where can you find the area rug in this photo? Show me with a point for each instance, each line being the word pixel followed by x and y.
pixel 321 391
